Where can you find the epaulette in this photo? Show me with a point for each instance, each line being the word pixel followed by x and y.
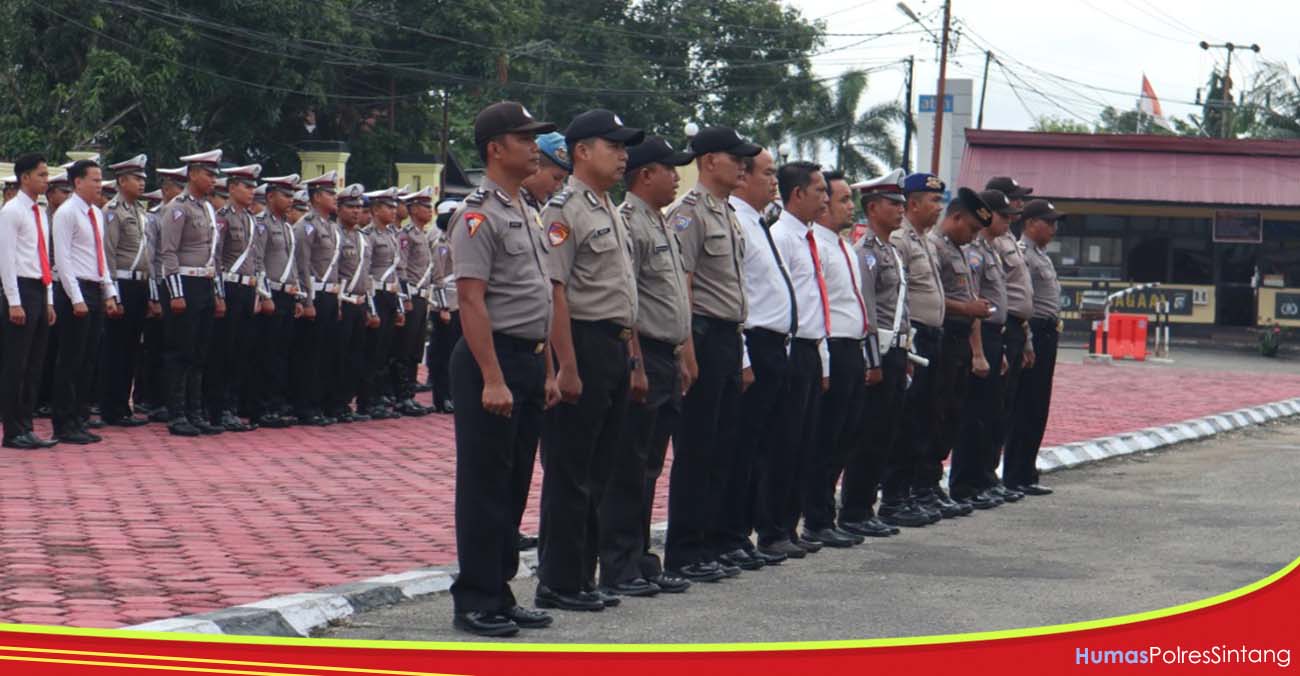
pixel 560 198
pixel 369 229
pixel 625 209
pixel 226 210
pixel 591 198
pixel 112 204
pixel 155 209
pixel 477 197
pixel 691 198
pixel 503 197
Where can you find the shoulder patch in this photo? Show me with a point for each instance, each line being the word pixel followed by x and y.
pixel 560 198
pixel 557 233
pixel 477 197
pixel 178 214
pixel 625 209
pixel 681 222
pixel 473 221
pixel 974 260
pixel 108 217
pixel 870 258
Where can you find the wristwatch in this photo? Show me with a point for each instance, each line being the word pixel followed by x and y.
pixel 634 363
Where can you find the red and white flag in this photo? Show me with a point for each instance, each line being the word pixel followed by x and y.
pixel 1149 104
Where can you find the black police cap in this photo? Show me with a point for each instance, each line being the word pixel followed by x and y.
pixel 971 203
pixel 999 202
pixel 601 123
pixel 656 149
pixel 1041 209
pixel 507 117
pixel 722 140
pixel 1008 186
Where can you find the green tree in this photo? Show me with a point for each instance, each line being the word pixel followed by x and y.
pixel 1064 125
pixel 862 141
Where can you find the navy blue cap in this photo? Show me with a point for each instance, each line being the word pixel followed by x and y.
pixel 552 146
pixel 656 149
pixel 922 183
pixel 1041 209
pixel 722 140
pixel 601 123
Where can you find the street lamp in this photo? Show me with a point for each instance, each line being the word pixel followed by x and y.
pixel 785 150
pixel 691 129
pixel 907 12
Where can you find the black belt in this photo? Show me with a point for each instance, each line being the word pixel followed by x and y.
pixel 806 342
pixel 1043 323
pixel 761 334
pixel 853 342
pixel 925 329
pixel 660 346
pixel 1015 318
pixel 608 327
pixel 513 344
pixel 957 327
pixel 715 324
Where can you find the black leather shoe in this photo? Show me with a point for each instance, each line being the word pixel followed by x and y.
pixel 1033 489
pixel 1006 494
pixel 867 528
pixel 206 427
pixel 527 542
pixel 159 415
pixel 75 437
pixel 381 413
pixel 857 539
pixel 447 406
pixel 182 427
pixel 610 600
pixel 875 522
pixel 768 557
pixel 231 423
pixel 741 559
pixel 29 442
pixel 314 420
pixel 783 548
pixel 807 545
pixel 728 570
pixel 423 387
pixel 671 584
pixel 528 618
pixel 126 421
pixel 936 499
pixel 700 572
pixel 94 424
pixel 272 421
pixel 826 536
pixel 548 598
pixel 979 501
pixel 482 623
pixel 411 409
pixel 904 514
pixel 638 587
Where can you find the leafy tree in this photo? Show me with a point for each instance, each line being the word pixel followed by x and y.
pixel 862 141
pixel 1060 125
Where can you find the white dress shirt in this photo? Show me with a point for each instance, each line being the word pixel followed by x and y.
pixel 769 298
pixel 79 253
pixel 791 237
pixel 19 254
pixel 842 274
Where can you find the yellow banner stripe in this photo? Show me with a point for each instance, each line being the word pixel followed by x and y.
pixel 204 660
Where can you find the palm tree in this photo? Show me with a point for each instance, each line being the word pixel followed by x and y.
pixel 862 142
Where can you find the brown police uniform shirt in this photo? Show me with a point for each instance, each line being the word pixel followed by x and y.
pixel 1020 290
pixel 187 234
pixel 318 239
pixel 444 276
pixel 354 262
pixel 924 288
pixel 417 258
pixel 385 260
pixel 663 306
pixel 1047 289
pixel 990 277
pixel 126 244
pixel 713 246
pixel 498 239
pixel 280 253
pixel 591 255
pixel 242 242
pixel 884 277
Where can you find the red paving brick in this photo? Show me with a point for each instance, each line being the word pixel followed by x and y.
pixel 146 525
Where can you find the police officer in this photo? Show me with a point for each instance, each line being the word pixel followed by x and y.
pixel 1016 345
pixel 595 309
pixel 130 258
pixel 150 392
pixel 967 479
pixel 414 239
pixel 301 205
pixel 961 354
pixel 316 359
pixel 58 190
pixel 386 273
pixel 551 173
pixel 188 250
pixel 663 324
pixel 357 318
pixel 286 295
pixel 446 319
pixel 500 378
pixel 1034 397
pixel 220 193
pixel 925 309
pixel 713 248
pixel 884 291
pixel 10 187
pixel 241 252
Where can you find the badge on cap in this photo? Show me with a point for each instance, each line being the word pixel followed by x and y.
pixel 526 113
pixel 558 233
pixel 618 120
pixel 933 183
pixel 473 220
pixel 984 214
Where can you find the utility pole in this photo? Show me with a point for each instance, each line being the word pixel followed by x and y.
pixel 939 100
pixel 984 88
pixel 446 129
pixel 1227 82
pixel 907 121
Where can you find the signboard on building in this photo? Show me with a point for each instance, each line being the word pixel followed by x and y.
pixel 957 106
pixel 1238 227
pixel 1193 304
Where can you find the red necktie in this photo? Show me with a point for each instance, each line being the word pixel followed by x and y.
pixel 821 281
pixel 99 244
pixel 856 293
pixel 46 275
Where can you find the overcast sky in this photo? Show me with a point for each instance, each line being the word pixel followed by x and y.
pixel 1101 43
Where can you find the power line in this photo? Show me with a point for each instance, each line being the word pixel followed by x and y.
pixel 1132 25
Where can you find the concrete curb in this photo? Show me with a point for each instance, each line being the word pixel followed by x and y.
pixel 297 615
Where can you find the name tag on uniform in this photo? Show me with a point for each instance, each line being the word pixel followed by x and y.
pixel 602 231
pixel 516 224
pixel 660 248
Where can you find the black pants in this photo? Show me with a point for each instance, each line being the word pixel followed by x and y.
pixel 876 456
pixel 274 337
pixel 838 434
pixel 1013 346
pixel 374 382
pixel 315 360
pixel 150 387
pixel 779 496
pixel 232 355
pixel 488 448
pixel 950 395
pixel 74 369
pixel 702 443
pixel 122 348
pixel 756 440
pixel 24 357
pixel 445 335
pixel 408 348
pixel 189 336
pixel 979 416
pixel 352 333
pixel 580 445
pixel 1033 403
pixel 916 430
pixel 629 494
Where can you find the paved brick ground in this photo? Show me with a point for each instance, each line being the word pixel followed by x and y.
pixel 147 526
